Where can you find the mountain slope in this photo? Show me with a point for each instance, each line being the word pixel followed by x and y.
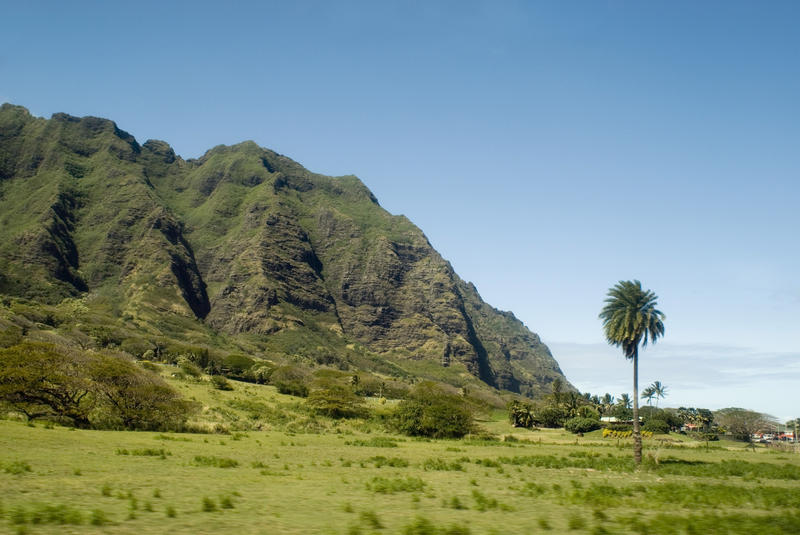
pixel 242 249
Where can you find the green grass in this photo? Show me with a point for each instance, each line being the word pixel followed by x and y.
pixel 279 481
pixel 264 464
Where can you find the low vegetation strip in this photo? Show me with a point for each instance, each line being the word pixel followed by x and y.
pixel 685 495
pixel 382 485
pixel 667 466
pixel 731 524
pixel 727 468
pixel 219 462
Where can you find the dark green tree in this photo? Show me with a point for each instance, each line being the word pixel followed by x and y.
pixel 630 318
pixel 431 411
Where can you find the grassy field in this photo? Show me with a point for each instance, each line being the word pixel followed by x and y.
pixel 269 474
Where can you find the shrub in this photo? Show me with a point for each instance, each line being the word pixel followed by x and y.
pixel 581 425
pixel 209 506
pixel 219 462
pixel 371 519
pixel 149 366
pixel 98 518
pixel 16 467
pixel 656 426
pixel 390 486
pixel 431 411
pixel 520 414
pixel 335 400
pixel 442 465
pixel 551 417
pixel 291 380
pixel 259 374
pixel 221 383
pixel 189 368
pixel 394 462
pixel 237 365
pixel 135 346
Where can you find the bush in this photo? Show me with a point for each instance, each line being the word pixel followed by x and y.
pixel 335 400
pixel 221 383
pixel 135 346
pixel 586 411
pixel 581 425
pixel 520 414
pixel 237 365
pixel 291 380
pixel 551 417
pixel 432 412
pixel 189 368
pixel 656 426
pixel 259 374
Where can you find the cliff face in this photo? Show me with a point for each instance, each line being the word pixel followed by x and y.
pixel 245 241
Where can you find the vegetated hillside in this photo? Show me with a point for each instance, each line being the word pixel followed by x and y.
pixel 242 250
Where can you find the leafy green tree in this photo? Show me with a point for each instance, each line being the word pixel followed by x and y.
pixel 743 423
pixel 656 426
pixel 431 411
pixel 551 416
pixel 291 380
pixel 630 318
pixel 46 381
pixel 334 399
pixel 87 389
pixel 581 425
pixel 129 397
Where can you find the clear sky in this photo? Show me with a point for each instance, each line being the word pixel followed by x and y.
pixel 547 149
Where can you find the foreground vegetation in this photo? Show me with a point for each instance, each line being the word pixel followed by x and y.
pixel 269 463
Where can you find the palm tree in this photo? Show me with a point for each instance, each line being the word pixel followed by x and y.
pixel 557 390
pixel 624 400
pixel 649 393
pixel 630 318
pixel 659 390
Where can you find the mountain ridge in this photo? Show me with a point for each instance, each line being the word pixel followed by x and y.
pixel 241 244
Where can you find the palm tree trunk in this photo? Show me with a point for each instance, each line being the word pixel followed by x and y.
pixel 637 436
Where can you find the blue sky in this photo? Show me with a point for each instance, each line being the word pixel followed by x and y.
pixel 547 150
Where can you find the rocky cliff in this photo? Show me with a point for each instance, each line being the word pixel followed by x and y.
pixel 242 245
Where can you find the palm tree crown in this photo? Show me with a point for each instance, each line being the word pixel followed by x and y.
pixel 648 393
pixel 659 391
pixel 630 317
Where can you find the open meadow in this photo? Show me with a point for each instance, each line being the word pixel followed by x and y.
pixel 272 467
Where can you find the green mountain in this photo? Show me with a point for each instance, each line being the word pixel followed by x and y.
pixel 242 250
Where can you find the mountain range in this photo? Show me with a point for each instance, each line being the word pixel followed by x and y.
pixel 241 250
